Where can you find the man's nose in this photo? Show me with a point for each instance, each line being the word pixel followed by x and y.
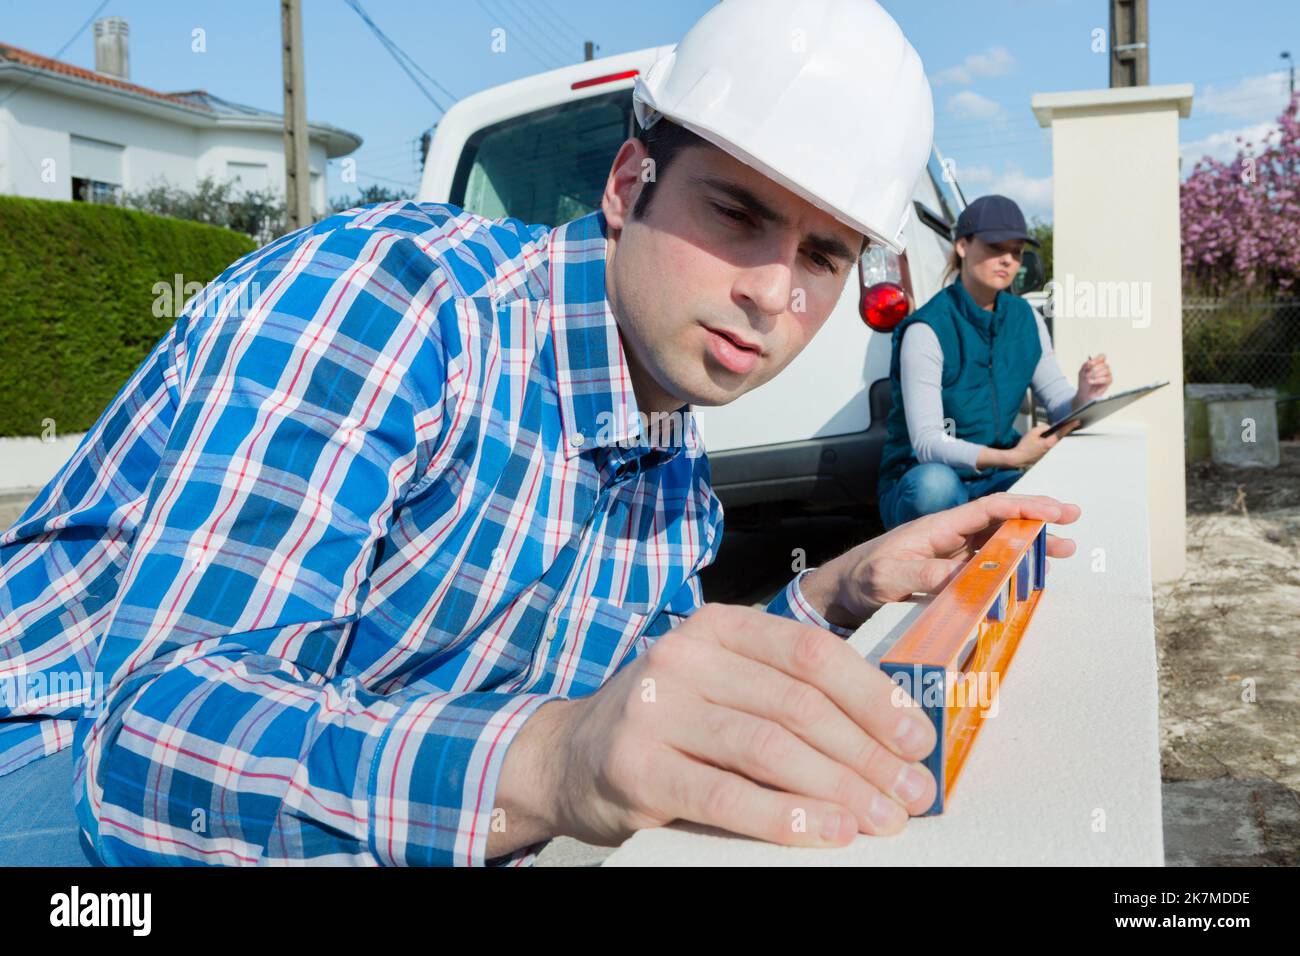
pixel 766 286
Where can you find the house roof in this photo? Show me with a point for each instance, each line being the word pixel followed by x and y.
pixel 210 107
pixel 35 60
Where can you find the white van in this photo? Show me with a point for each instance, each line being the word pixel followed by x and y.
pixel 539 150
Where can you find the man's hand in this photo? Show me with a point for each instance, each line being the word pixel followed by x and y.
pixel 742 720
pixel 922 555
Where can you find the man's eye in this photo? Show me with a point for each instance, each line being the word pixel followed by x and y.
pixel 823 262
pixel 733 214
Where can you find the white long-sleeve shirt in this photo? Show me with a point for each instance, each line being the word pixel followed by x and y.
pixel 921 372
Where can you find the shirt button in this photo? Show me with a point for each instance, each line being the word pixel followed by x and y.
pixel 551 630
pixel 577 439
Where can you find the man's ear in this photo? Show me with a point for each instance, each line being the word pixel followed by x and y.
pixel 624 183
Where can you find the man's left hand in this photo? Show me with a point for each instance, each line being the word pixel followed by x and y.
pixel 923 555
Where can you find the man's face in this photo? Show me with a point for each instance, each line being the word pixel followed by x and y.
pixel 723 282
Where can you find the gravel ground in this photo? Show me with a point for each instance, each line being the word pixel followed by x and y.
pixel 1228 638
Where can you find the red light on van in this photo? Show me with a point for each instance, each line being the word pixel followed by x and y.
pixel 608 78
pixel 883 306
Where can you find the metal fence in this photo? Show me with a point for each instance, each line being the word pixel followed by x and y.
pixel 1236 341
pixel 1252 342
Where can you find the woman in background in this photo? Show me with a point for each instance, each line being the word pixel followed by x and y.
pixel 959 370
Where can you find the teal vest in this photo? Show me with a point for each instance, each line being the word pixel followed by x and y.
pixel 988 361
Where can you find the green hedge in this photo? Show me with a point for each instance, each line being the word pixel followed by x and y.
pixel 77 302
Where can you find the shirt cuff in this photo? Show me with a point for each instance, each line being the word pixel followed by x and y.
pixel 792 604
pixel 434 779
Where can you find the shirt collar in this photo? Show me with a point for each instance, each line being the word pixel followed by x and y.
pixel 980 317
pixel 598 407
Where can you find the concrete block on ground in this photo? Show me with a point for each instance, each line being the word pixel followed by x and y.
pixel 1196 420
pixel 1243 431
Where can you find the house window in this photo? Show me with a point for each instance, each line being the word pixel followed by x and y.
pixel 96 170
pixel 252 177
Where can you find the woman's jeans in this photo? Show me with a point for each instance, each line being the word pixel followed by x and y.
pixel 934 486
pixel 38 826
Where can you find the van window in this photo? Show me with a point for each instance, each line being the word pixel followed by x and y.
pixel 942 179
pixel 545 167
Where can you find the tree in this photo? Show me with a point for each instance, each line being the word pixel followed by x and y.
pixel 368 194
pixel 1042 232
pixel 1239 219
pixel 259 214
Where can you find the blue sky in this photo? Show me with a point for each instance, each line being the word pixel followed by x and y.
pixel 985 60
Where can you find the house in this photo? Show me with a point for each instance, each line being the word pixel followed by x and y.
pixel 67 132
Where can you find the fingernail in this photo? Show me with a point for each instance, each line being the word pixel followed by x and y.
pixel 910 736
pixel 910 784
pixel 884 812
pixel 831 824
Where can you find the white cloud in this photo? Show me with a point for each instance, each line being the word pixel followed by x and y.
pixel 970 105
pixel 1223 145
pixel 1032 194
pixel 1251 97
pixel 974 174
pixel 995 61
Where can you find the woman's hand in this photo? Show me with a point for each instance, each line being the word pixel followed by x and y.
pixel 1034 444
pixel 1094 379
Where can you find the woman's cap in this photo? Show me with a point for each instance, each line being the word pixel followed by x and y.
pixel 993 219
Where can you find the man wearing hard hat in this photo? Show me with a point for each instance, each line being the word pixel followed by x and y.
pixel 408 574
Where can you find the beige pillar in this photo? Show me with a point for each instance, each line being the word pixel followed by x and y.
pixel 1117 279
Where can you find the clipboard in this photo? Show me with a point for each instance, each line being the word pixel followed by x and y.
pixel 1099 408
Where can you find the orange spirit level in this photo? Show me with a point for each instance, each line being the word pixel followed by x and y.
pixel 952 660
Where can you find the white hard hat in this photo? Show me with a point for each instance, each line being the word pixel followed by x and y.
pixel 825 97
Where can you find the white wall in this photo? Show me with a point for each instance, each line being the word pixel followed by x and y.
pixel 1115 183
pixel 44 123
pixel 219 147
pixel 37 125
pixel 27 464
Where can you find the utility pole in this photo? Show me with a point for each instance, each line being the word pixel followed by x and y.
pixel 1128 43
pixel 1286 55
pixel 588 51
pixel 297 170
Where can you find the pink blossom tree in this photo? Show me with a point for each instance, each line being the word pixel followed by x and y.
pixel 1241 219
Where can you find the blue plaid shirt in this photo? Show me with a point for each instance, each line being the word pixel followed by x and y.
pixel 380 492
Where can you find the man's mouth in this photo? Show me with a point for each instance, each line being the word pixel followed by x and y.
pixel 733 352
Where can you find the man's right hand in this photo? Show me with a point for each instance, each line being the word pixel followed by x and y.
pixel 746 721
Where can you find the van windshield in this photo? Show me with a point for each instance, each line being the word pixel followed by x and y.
pixel 545 167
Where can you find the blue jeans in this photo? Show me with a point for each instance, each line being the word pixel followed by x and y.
pixel 933 486
pixel 38 826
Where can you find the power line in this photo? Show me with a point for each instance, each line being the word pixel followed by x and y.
pixel 521 36
pixel 577 34
pixel 560 45
pixel 413 181
pixel 80 30
pixel 401 57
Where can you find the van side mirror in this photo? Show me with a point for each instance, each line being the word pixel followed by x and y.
pixel 1032 276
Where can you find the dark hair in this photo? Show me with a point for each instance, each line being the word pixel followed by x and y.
pixel 953 268
pixel 663 141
